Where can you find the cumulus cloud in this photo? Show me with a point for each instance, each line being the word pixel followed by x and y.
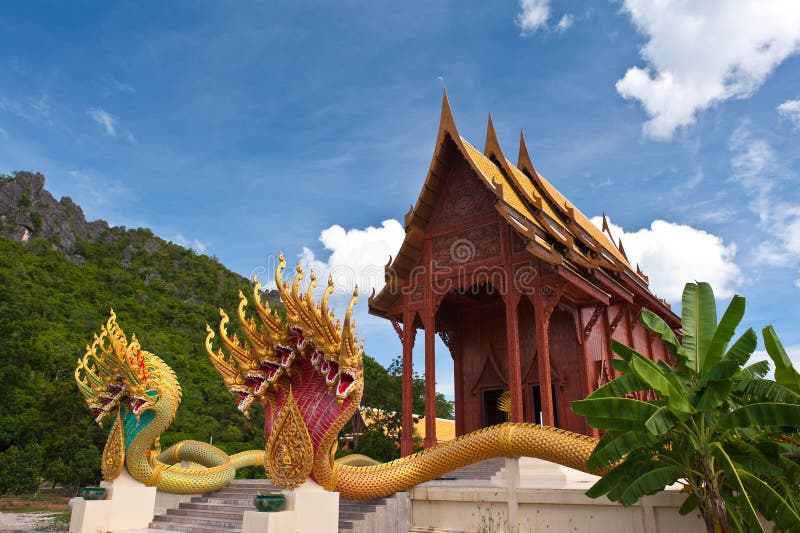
pixel 105 119
pixel 790 110
pixel 702 53
pixel 674 254
pixel 534 15
pixel 756 168
pixel 357 256
pixel 565 22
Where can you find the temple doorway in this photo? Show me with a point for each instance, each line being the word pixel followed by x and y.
pixel 491 414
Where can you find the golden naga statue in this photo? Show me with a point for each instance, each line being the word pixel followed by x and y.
pixel 140 394
pixel 306 370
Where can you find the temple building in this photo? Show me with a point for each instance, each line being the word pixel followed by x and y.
pixel 523 289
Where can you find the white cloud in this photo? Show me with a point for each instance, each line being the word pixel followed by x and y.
pixel 33 109
pixel 674 254
pixel 757 169
pixel 356 255
pixel 121 85
pixel 797 283
pixel 95 193
pixel 533 16
pixel 103 118
pixel 565 22
pixel 790 110
pixel 689 184
pixel 193 244
pixel 702 53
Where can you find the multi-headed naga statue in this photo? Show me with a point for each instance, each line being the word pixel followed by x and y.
pixel 306 370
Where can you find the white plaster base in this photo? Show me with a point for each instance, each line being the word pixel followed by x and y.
pixel 128 505
pixel 309 509
pixel 281 521
pixel 166 501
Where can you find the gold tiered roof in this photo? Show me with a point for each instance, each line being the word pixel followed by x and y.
pixel 553 229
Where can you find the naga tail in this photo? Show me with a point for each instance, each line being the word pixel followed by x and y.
pixel 504 440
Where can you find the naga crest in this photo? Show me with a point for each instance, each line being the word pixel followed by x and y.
pixel 117 376
pixel 305 369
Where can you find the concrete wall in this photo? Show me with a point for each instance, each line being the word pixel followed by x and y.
pixel 478 509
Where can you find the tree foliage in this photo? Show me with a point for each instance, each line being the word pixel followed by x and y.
pixel 715 425
pixel 49 308
pixel 383 395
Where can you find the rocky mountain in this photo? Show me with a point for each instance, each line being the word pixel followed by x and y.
pixel 59 276
pixel 27 210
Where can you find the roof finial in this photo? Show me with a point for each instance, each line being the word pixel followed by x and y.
pixel 524 162
pixel 409 215
pixel 643 275
pixel 606 228
pixel 447 122
pixel 622 249
pixel 492 145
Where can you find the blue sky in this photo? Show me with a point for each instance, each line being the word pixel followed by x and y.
pixel 242 129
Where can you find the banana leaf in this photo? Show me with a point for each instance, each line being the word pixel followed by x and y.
pixel 650 483
pixel 606 453
pixel 785 374
pixel 699 320
pixel 722 335
pixel 769 414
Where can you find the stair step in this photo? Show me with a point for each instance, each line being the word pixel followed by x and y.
pixel 202 522
pixel 243 502
pixel 184 528
pixel 220 508
pixel 210 513
pixel 223 511
pixel 248 490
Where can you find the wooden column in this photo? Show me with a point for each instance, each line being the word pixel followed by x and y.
pixel 409 336
pixel 514 364
pixel 458 371
pixel 543 347
pixel 511 298
pixel 588 377
pixel 430 350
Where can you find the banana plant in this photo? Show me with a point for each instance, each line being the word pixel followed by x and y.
pixel 704 419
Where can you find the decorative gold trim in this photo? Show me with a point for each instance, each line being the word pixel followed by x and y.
pixel 290 454
pixel 113 459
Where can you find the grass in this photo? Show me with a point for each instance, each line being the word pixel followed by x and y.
pixel 58 522
pixel 51 500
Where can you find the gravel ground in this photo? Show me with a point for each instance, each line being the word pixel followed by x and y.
pixel 24 522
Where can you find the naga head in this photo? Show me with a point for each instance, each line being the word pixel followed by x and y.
pixel 115 375
pixel 307 354
pixel 255 368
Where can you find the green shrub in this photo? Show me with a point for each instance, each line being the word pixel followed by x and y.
pixel 21 469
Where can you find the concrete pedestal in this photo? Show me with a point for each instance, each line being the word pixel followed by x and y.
pixel 309 509
pixel 128 505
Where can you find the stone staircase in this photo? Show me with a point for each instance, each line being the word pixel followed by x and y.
pixel 483 471
pixel 222 512
pixel 216 512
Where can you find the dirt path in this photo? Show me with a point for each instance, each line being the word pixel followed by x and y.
pixel 25 522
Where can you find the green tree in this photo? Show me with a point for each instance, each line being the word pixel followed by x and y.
pixel 21 469
pixel 377 445
pixel 383 389
pixel 713 424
